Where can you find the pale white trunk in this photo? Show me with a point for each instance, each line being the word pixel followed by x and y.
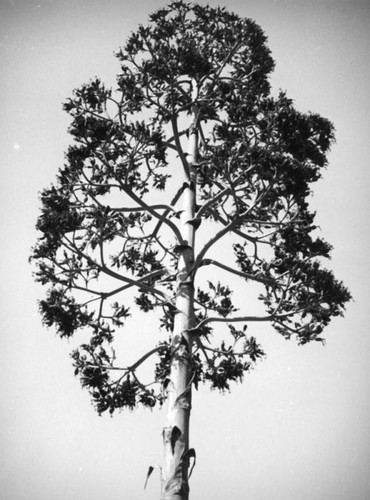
pixel 176 433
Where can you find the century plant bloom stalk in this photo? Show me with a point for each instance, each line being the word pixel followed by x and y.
pixel 191 147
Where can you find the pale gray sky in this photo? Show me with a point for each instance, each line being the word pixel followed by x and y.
pixel 299 425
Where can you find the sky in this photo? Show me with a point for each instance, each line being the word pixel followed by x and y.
pixel 299 425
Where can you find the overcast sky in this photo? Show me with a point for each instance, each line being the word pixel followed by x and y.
pixel 299 425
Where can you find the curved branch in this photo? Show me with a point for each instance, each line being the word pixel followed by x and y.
pixel 210 202
pixel 137 282
pixel 228 228
pixel 168 208
pixel 224 222
pixel 155 214
pixel 130 281
pixel 144 358
pixel 128 369
pixel 207 262
pixel 236 319
pixel 165 214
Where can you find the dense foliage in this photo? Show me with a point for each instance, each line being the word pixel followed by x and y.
pixel 110 224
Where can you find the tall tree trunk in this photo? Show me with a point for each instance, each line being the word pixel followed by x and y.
pixel 176 433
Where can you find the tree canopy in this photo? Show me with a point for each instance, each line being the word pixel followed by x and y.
pixel 111 233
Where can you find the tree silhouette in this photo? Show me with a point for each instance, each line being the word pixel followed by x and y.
pixel 191 143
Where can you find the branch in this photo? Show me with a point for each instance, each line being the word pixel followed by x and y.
pixel 210 202
pixel 207 262
pixel 224 222
pixel 228 57
pixel 168 208
pixel 237 319
pixel 165 214
pixel 155 214
pixel 229 227
pixel 137 282
pixel 144 358
pixel 130 281
pixel 209 244
pixel 168 141
pixel 232 51
pixel 221 351
pixel 128 369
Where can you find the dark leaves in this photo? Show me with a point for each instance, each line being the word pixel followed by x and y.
pixel 93 95
pixel 218 300
pixel 58 216
pixel 63 312
pixel 223 369
pixel 144 302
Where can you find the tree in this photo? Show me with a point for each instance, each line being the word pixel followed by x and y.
pixel 191 143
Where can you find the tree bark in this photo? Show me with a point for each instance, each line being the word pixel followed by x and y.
pixel 175 470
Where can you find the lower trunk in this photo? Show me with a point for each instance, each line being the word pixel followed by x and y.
pixel 176 433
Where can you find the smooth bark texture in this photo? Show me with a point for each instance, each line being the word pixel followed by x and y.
pixel 176 433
